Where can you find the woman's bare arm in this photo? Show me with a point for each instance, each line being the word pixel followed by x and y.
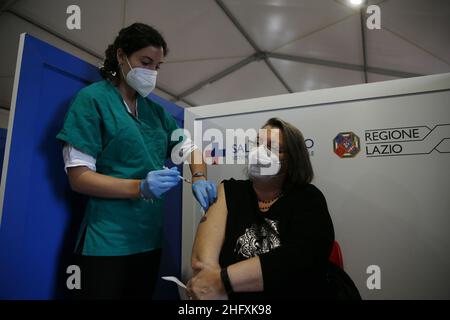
pixel 211 233
pixel 246 275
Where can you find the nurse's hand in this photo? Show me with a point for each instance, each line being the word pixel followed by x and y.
pixel 159 181
pixel 205 192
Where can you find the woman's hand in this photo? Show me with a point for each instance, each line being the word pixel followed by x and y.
pixel 206 284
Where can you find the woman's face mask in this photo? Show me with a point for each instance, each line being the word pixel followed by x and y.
pixel 141 79
pixel 263 164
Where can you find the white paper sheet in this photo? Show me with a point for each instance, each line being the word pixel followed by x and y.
pixel 181 286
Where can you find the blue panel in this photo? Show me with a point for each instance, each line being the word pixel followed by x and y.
pixel 41 215
pixel 176 111
pixel 171 260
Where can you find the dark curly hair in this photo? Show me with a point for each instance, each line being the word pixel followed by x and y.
pixel 130 39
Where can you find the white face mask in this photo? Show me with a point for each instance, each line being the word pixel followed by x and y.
pixel 141 79
pixel 262 163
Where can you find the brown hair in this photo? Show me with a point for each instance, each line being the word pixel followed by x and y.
pixel 299 169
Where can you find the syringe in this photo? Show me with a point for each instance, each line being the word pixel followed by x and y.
pixel 179 176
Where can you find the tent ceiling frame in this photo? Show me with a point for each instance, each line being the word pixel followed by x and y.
pixel 363 41
pixel 77 45
pixel 257 56
pixel 314 61
pixel 249 39
pixel 342 65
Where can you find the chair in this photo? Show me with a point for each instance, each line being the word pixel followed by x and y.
pixel 336 255
pixel 341 284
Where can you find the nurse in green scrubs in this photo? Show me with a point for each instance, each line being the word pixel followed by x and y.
pixel 115 144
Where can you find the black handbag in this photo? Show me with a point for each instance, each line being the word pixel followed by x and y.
pixel 341 285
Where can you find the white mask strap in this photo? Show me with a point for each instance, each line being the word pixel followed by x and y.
pixel 131 68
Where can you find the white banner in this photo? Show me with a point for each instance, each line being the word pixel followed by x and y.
pixel 381 156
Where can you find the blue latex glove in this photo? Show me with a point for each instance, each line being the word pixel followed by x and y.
pixel 159 181
pixel 205 192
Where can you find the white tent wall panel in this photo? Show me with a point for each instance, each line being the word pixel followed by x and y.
pixel 424 23
pixel 162 94
pixel 6 88
pixel 340 42
pixel 305 77
pixel 4 118
pixel 271 24
pixel 180 76
pixel 10 29
pixel 194 29
pixel 255 79
pixel 100 19
pixel 386 50
pixel 182 104
pixel 373 77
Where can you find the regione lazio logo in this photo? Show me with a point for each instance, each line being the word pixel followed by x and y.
pixel 346 145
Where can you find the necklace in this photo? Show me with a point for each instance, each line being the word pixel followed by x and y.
pixel 265 205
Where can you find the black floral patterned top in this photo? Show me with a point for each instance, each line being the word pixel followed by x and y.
pixel 293 240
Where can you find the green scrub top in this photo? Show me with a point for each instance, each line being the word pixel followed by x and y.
pixel 127 147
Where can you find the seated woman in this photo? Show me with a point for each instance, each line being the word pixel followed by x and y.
pixel 269 237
